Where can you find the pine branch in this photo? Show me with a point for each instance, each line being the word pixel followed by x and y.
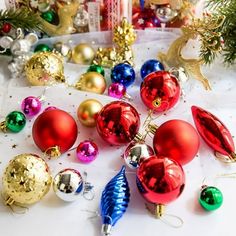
pixel 21 18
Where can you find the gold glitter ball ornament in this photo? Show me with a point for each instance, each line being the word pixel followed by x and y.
pixel 45 68
pixel 88 111
pixel 26 180
pixel 91 82
pixel 83 53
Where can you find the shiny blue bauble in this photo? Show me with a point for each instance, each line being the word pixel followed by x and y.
pixel 123 73
pixel 149 67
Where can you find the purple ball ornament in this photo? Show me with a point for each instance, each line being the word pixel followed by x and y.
pixel 31 106
pixel 117 90
pixel 87 151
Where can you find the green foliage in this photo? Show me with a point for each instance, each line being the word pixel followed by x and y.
pixel 226 8
pixel 20 18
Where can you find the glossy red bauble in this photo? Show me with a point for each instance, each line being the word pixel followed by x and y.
pixel 160 181
pixel 160 91
pixel 213 131
pixel 176 139
pixel 118 123
pixel 6 28
pixel 54 128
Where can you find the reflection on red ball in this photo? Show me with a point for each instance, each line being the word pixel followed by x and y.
pixel 54 128
pixel 118 123
pixel 176 139
pixel 160 91
pixel 160 181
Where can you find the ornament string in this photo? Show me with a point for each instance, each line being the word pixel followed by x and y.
pixel 169 219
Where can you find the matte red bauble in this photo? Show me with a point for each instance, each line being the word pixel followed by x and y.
pixel 214 132
pixel 160 91
pixel 54 128
pixel 160 181
pixel 176 139
pixel 118 123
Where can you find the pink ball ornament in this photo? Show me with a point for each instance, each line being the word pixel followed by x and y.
pixel 117 90
pixel 31 106
pixel 87 151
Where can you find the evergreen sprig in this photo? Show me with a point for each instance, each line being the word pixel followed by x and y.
pixel 21 18
pixel 226 8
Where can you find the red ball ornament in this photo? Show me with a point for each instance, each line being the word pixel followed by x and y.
pixel 160 181
pixel 160 91
pixel 6 28
pixel 214 132
pixel 54 128
pixel 176 139
pixel 118 123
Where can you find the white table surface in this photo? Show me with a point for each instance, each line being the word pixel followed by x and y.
pixel 51 216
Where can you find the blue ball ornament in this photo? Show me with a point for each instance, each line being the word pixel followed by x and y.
pixel 150 66
pixel 123 73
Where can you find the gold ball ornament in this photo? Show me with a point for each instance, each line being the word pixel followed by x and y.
pixel 26 180
pixel 83 53
pixel 45 68
pixel 91 82
pixel 88 111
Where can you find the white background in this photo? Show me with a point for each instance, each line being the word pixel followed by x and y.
pixel 51 216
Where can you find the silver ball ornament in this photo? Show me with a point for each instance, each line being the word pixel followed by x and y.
pixel 68 184
pixel 137 152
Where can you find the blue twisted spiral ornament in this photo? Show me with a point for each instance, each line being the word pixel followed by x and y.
pixel 114 201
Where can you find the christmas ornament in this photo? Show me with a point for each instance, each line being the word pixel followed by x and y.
pixel 136 153
pixel 174 58
pixel 210 198
pixel 83 53
pixel 91 82
pixel 176 139
pixel 160 91
pixel 66 13
pixel 81 20
pixel 20 50
pixel 88 111
pixel 96 68
pixel 160 181
pixel 49 16
pixel 42 48
pixel 214 132
pixel 87 151
pixel 118 123
pixel 149 67
pixel 31 106
pixel 124 36
pixel 68 184
pixel 165 13
pixel 15 121
pixel 144 18
pixel 54 132
pixel 117 90
pixel 114 201
pixel 6 28
pixel 123 73
pixel 26 180
pixel 63 49
pixel 44 68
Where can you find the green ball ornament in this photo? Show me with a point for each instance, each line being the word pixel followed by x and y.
pixel 49 16
pixel 42 48
pixel 96 68
pixel 210 198
pixel 15 121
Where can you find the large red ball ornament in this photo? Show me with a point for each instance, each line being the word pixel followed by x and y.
pixel 118 123
pixel 160 180
pixel 54 128
pixel 176 139
pixel 214 132
pixel 160 91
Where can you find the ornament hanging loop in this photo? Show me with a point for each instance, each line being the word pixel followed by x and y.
pixel 159 212
pixel 88 192
pixel 3 126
